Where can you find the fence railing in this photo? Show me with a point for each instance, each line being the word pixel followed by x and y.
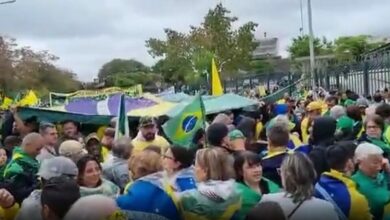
pixel 268 80
pixel 364 77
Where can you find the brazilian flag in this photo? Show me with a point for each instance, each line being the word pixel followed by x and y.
pixel 181 128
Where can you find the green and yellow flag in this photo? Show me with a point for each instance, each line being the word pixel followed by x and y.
pixel 181 128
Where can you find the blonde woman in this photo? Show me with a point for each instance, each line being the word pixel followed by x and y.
pixel 215 197
pixel 147 197
pixel 297 201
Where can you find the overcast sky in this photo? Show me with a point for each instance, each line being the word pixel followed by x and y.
pixel 85 34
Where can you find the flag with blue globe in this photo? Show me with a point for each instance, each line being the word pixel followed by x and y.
pixel 181 128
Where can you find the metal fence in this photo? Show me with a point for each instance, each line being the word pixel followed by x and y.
pixel 364 77
pixel 268 80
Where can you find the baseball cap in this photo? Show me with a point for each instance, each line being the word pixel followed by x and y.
pixel 314 106
pixel 236 134
pixel 281 109
pixel 57 166
pixel 362 102
pixel 71 147
pixel 91 137
pixel 345 123
pixel 146 121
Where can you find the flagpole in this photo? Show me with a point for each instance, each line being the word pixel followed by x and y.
pixel 204 119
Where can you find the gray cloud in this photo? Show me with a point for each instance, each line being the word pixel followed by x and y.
pixel 87 33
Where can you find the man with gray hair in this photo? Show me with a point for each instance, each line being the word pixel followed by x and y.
pixel 117 169
pixel 372 177
pixel 337 112
pixel 283 121
pixel 50 137
pixel 95 207
pixel 20 174
pixel 72 149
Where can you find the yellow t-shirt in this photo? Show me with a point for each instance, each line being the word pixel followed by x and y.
pixel 295 139
pixel 304 127
pixel 10 213
pixel 140 145
pixel 105 152
pixel 100 131
pixel 259 129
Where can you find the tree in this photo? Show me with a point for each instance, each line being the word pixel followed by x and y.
pixel 123 73
pixel 23 68
pixel 116 68
pixel 7 57
pixel 352 47
pixel 261 66
pixel 300 47
pixel 186 57
pixel 344 48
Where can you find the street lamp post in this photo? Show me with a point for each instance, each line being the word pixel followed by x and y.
pixel 7 2
pixel 311 44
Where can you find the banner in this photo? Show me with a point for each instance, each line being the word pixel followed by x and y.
pixel 57 99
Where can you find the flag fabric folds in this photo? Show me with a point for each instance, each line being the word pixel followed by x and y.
pixel 122 124
pixel 30 99
pixel 7 102
pixel 216 86
pixel 181 128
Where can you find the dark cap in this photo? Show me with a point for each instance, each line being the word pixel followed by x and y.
pixel 146 121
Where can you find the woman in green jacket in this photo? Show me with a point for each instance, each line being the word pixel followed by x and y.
pixel 250 182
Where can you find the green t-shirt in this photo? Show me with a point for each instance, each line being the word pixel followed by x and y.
pixel 250 197
pixel 375 190
pixel 386 134
pixel 349 102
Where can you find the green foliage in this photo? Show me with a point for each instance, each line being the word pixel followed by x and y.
pixel 125 73
pixel 186 57
pixel 300 47
pixel 22 68
pixel 120 72
pixel 344 48
pixel 261 66
pixel 351 47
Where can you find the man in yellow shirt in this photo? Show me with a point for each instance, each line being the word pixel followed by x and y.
pixel 107 142
pixel 314 110
pixel 147 136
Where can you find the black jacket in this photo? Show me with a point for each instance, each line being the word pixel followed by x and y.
pixel 322 137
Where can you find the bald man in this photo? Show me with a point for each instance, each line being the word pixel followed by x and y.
pixel 20 174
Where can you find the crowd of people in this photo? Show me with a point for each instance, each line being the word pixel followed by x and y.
pixel 321 156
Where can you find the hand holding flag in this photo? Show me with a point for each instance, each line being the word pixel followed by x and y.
pixel 181 128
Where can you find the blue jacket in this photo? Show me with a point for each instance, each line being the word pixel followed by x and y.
pixel 271 164
pixel 343 193
pixel 154 196
pixel 305 149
